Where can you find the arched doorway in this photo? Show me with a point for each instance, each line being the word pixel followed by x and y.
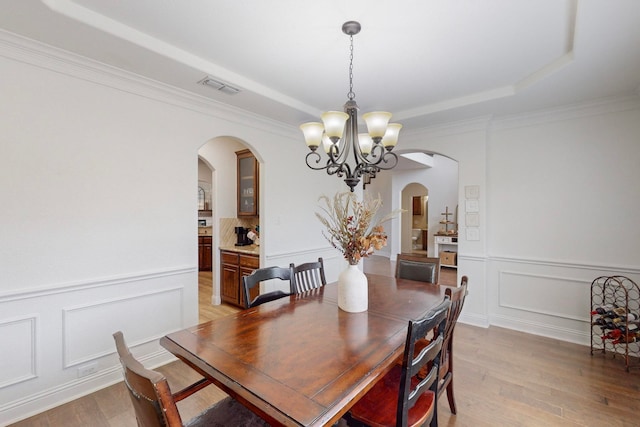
pixel 439 180
pixel 415 224
pixel 220 156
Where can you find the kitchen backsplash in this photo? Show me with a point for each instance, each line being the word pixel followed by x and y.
pixel 227 229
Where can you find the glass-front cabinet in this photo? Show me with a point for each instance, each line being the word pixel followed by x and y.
pixel 247 184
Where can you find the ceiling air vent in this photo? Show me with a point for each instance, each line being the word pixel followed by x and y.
pixel 218 85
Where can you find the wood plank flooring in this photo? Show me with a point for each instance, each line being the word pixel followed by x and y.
pixel 502 378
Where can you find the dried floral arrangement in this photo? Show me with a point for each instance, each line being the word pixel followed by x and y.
pixel 352 226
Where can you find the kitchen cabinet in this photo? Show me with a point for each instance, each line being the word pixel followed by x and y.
pixel 247 184
pixel 204 253
pixel 233 266
pixel 417 205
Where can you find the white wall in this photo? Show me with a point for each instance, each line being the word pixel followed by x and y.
pixel 553 188
pixel 562 202
pixel 98 229
pixel 463 143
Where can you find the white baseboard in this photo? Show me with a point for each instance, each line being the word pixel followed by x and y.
pixel 545 330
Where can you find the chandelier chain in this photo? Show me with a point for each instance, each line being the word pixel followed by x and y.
pixel 351 95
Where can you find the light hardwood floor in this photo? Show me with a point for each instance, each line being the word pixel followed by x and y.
pixel 502 378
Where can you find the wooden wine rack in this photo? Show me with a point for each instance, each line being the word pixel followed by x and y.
pixel 622 292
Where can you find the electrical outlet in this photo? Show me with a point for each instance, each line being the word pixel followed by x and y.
pixel 87 369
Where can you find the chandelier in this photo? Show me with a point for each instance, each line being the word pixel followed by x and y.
pixel 338 135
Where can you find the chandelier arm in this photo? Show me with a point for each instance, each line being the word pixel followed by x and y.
pixel 315 157
pixel 352 133
pixel 337 160
pixel 339 169
pixel 387 157
pixel 336 156
pixel 377 154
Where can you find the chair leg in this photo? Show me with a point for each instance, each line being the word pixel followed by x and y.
pixel 351 422
pixel 434 418
pixel 450 398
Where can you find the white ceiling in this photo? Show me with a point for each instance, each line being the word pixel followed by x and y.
pixel 427 61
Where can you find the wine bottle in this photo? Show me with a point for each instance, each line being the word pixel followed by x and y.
pixel 626 327
pixel 603 309
pixel 620 311
pixel 627 338
pixel 612 335
pixel 600 321
pixel 629 317
pixel 610 314
pixel 607 324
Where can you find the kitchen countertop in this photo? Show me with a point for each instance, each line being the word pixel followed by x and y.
pixel 205 231
pixel 249 249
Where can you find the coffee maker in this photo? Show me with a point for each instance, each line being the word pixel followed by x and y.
pixel 242 238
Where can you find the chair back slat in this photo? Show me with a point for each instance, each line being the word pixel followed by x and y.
pixel 307 276
pixel 260 275
pixel 412 385
pixel 155 405
pixel 149 391
pixel 419 268
pixel 457 296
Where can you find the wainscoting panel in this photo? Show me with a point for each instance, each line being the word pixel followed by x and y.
pixel 18 362
pixel 531 292
pixel 87 336
pixel 475 310
pixel 544 297
pixel 61 336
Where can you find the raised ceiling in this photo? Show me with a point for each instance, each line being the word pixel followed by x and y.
pixel 426 61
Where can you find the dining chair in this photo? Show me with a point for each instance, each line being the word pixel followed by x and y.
pixel 457 296
pixel 259 275
pixel 420 268
pixel 401 398
pixel 155 405
pixel 307 276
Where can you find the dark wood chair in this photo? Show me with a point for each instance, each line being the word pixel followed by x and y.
pixel 401 397
pixel 259 275
pixel 155 405
pixel 457 297
pixel 416 267
pixel 307 276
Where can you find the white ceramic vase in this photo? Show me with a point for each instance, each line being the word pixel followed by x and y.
pixel 353 290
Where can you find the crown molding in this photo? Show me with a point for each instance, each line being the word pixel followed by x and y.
pixel 478 124
pixel 568 112
pixel 530 118
pixel 41 55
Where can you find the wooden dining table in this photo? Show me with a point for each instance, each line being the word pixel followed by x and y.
pixel 300 360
